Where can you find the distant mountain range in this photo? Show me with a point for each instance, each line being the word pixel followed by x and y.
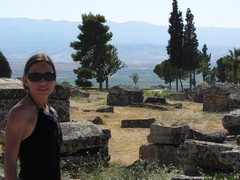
pixel 138 43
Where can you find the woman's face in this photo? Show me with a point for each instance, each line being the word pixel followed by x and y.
pixel 39 79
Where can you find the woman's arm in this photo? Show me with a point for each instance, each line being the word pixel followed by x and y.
pixel 15 129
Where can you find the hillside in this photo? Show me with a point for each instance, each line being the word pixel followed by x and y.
pixel 138 43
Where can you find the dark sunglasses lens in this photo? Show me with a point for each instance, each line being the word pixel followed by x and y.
pixel 34 77
pixel 48 76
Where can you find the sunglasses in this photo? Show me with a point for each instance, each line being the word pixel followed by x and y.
pixel 35 77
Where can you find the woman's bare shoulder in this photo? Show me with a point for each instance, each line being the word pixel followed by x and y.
pixel 20 113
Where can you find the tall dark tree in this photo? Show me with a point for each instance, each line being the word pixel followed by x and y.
pixel 93 49
pixel 175 44
pixel 205 63
pixel 190 50
pixel 222 70
pixel 235 58
pixel 5 69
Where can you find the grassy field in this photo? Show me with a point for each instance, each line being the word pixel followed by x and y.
pixel 125 142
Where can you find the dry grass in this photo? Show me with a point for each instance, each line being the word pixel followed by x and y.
pixel 125 142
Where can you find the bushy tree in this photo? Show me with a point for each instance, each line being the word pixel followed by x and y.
pixel 93 51
pixel 113 63
pixel 5 69
pixel 166 72
pixel 175 43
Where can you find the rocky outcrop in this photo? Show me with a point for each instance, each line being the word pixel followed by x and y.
pixel 124 95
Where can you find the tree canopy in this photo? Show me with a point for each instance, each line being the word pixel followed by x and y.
pixel 5 69
pixel 97 58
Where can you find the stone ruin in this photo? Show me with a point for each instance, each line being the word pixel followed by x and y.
pixel 124 95
pixel 191 150
pixel 133 96
pixel 82 141
pixel 217 98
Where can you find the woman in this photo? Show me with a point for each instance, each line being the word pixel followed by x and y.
pixel 32 132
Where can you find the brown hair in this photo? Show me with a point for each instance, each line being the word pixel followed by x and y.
pixel 37 58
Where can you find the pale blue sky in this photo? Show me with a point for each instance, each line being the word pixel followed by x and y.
pixel 217 13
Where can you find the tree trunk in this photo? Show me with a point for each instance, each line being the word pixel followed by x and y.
pixel 190 81
pixel 194 79
pixel 181 83
pixel 235 66
pixel 176 79
pixel 106 83
pixel 100 86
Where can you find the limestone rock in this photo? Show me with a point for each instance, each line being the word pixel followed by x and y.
pixel 82 135
pixel 231 122
pixel 164 154
pixel 222 97
pixel 160 134
pixel 137 123
pixel 193 154
pixel 105 109
pixel 124 95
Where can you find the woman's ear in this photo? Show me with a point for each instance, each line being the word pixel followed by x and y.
pixel 25 80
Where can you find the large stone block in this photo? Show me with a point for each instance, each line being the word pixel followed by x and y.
pixel 124 95
pixel 231 122
pixel 162 154
pixel 160 134
pixel 82 135
pixel 193 154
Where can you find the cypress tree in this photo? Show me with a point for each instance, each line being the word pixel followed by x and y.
pixel 175 44
pixel 190 44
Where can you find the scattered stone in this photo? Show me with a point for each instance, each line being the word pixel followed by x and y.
pixel 137 123
pixel 97 120
pixel 105 109
pixel 79 93
pixel 155 100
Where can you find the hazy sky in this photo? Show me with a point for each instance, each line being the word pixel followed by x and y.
pixel 217 13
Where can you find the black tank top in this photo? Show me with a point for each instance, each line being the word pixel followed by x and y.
pixel 39 154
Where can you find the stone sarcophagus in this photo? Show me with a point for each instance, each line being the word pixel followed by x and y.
pixel 11 91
